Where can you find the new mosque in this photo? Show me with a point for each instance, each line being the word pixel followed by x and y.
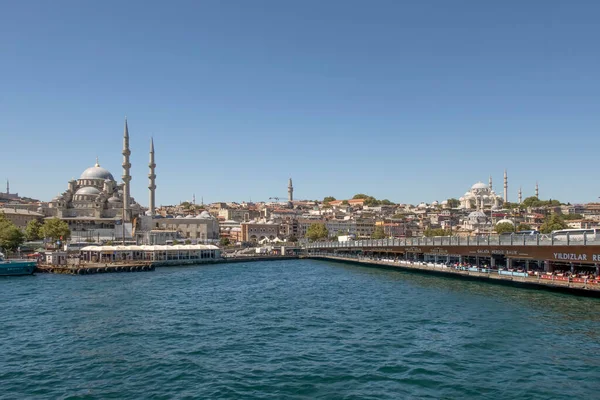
pixel 96 203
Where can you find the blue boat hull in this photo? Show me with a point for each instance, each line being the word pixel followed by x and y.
pixel 16 267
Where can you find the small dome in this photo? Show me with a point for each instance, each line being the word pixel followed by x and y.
pixel 205 215
pixel 88 190
pixel 479 185
pixel 114 199
pixel 477 214
pixel 435 203
pixel 505 221
pixel 444 202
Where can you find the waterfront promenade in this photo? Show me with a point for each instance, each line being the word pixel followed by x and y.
pixel 547 254
pixel 531 279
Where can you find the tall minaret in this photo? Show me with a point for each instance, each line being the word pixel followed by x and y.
pixel 152 180
pixel 505 187
pixel 490 184
pixel 520 195
pixel 7 187
pixel 290 191
pixel 126 176
pixel 537 190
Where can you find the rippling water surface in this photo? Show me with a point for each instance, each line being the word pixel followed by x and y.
pixel 292 329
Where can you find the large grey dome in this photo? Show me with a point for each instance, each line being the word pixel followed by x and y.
pixel 97 172
pixel 88 190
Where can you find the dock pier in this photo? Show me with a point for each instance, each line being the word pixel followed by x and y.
pixel 95 268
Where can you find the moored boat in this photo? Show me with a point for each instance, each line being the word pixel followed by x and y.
pixel 16 267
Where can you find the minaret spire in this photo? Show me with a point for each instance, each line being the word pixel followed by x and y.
pixel 126 175
pixel 290 193
pixel 505 187
pixel 152 180
pixel 490 184
pixel 537 190
pixel 520 195
pixel 7 187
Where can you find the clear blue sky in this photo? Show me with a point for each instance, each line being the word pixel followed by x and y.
pixel 407 100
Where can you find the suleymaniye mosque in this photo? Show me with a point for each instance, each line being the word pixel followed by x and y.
pixel 482 197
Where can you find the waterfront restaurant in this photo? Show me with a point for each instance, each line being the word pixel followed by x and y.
pixel 174 253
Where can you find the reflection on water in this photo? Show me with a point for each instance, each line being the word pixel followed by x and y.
pixel 570 306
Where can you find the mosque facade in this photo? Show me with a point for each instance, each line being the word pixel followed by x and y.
pixel 481 197
pixel 96 203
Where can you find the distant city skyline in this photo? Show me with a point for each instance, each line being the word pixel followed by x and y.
pixel 409 102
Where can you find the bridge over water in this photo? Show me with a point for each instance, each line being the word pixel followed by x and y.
pixel 539 252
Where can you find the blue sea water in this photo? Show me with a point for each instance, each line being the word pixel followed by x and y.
pixel 298 329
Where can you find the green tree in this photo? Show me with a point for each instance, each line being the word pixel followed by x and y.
pixel 378 233
pixel 224 242
pixel 187 241
pixel 317 231
pixel 371 202
pixel 523 227
pixel 345 203
pixel 504 227
pixel 531 201
pixel 386 202
pixel 553 222
pixel 33 230
pixel 11 237
pixel 359 196
pixel 292 239
pixel 429 232
pixel 55 229
pixel 453 203
pixel 569 217
pixel 328 199
pixel 175 242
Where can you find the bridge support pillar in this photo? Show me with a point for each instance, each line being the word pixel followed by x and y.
pixel 477 261
pixel 436 259
pixel 508 263
pixel 460 259
pixel 447 259
pixel 572 268
pixel 597 269
pixel 526 265
pixel 492 262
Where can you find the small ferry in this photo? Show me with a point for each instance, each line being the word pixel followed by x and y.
pixel 16 267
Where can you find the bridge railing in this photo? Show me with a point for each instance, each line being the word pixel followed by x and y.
pixel 487 240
